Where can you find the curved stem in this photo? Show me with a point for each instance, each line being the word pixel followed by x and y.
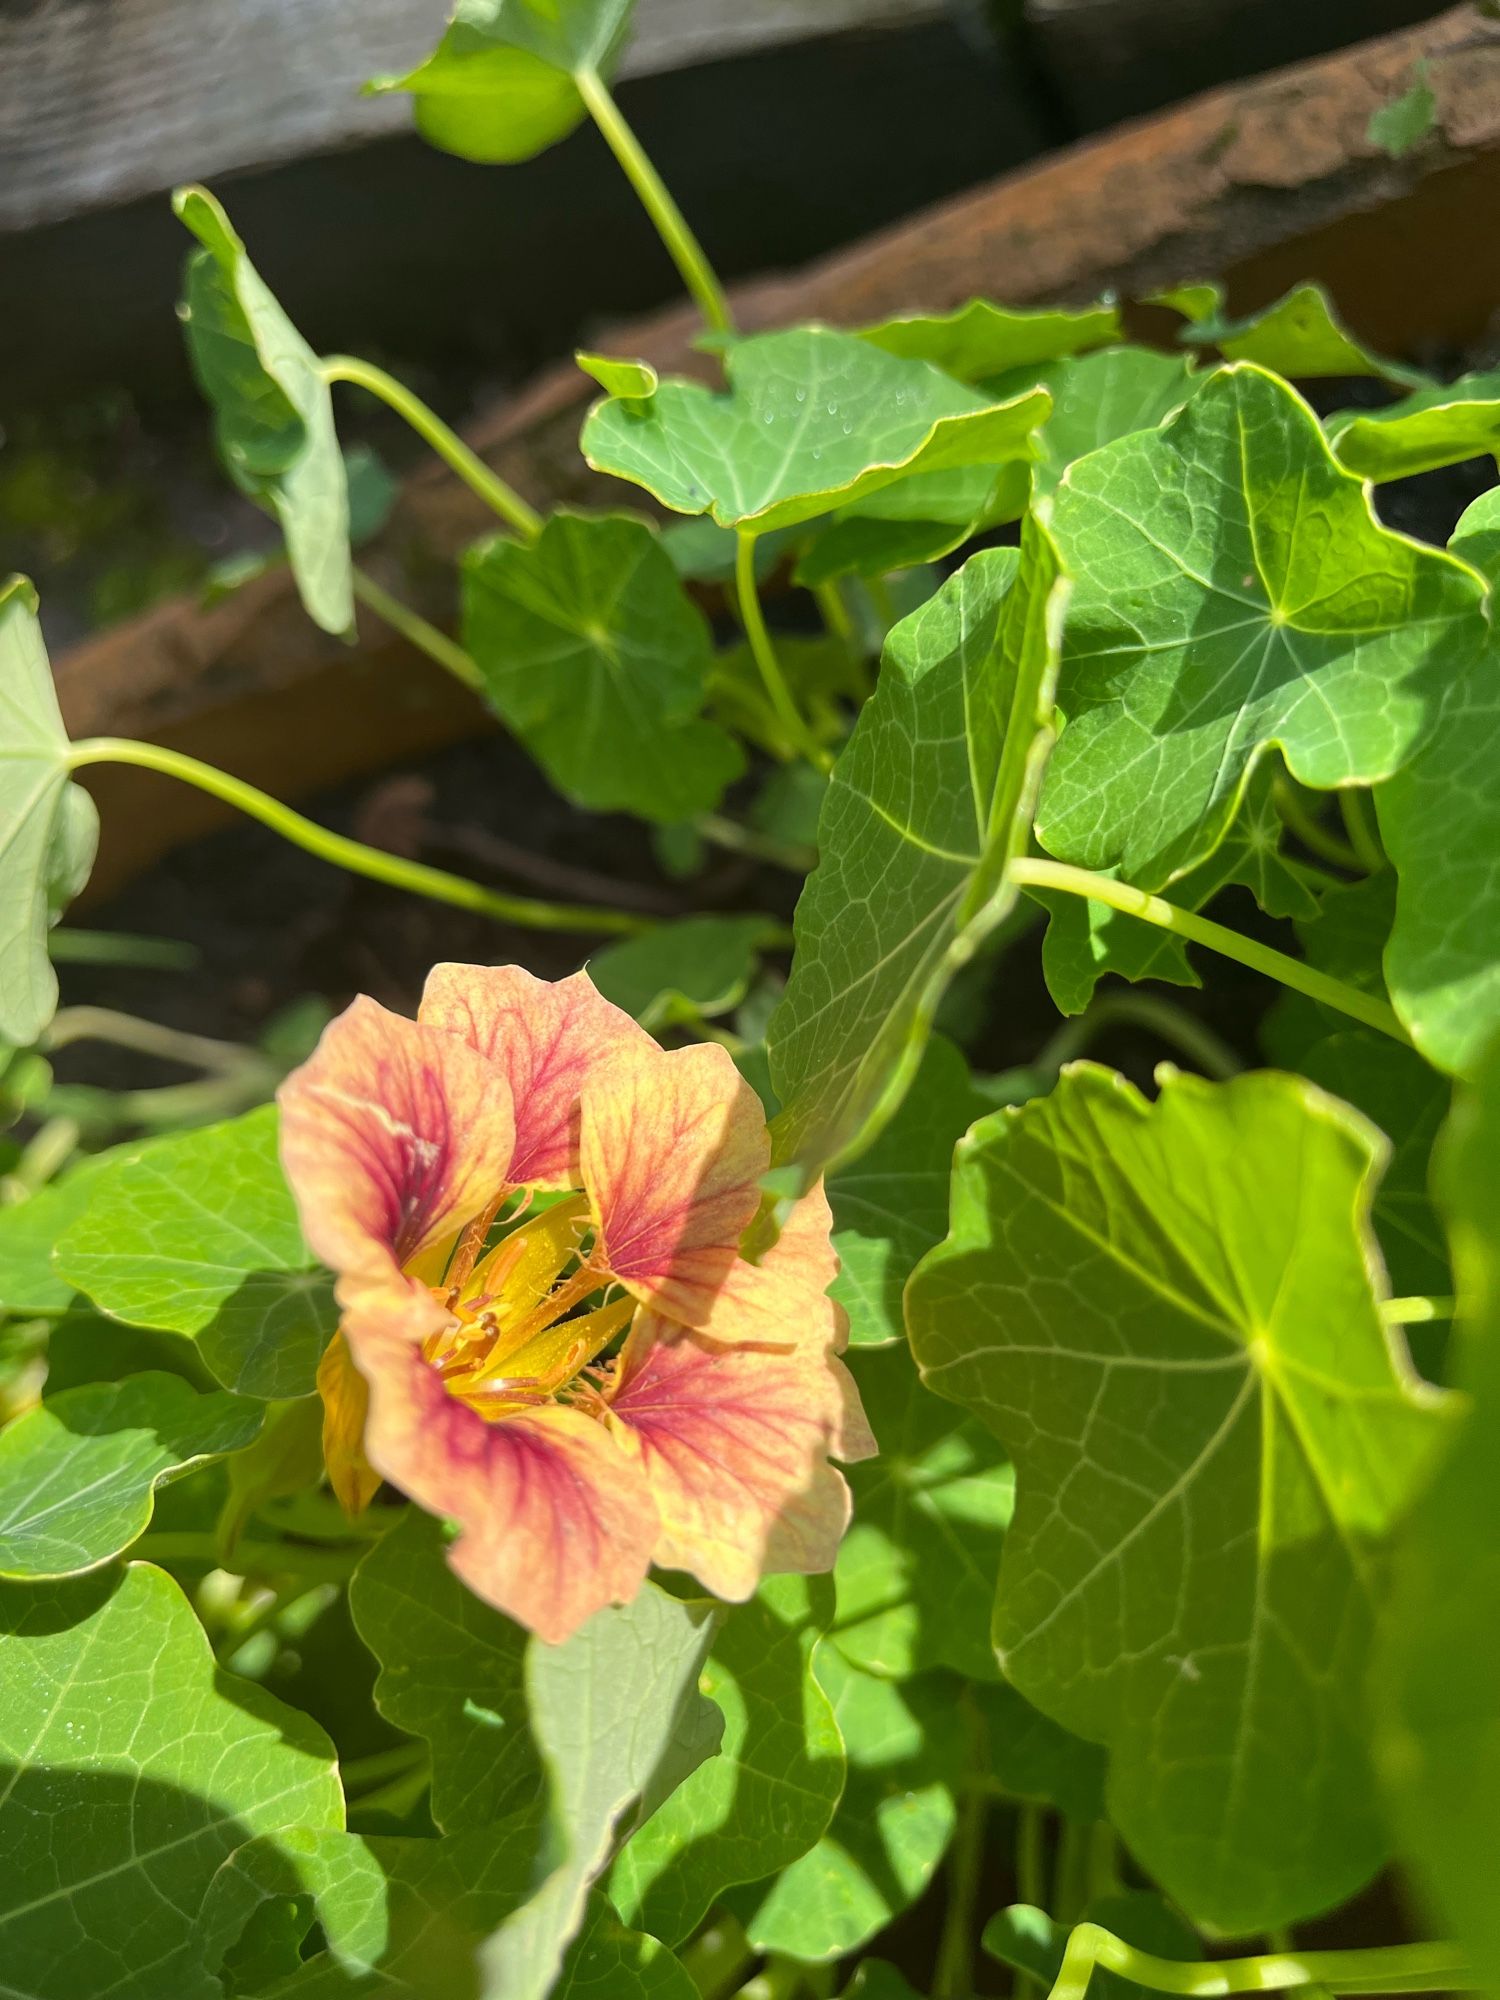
pixel 1416 1311
pixel 1314 837
pixel 1033 873
pixel 353 855
pixel 953 1974
pixel 448 445
pixel 1175 1025
pixel 1402 1968
pixel 671 226
pixel 148 1038
pixel 250 1558
pixel 764 655
pixel 1359 824
pixel 737 839
pixel 417 632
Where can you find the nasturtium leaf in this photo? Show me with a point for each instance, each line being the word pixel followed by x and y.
pixel 1476 539
pixel 607 1961
pixel 273 409
pixel 684 972
pixel 402 1918
pixel 916 1572
pixel 876 1979
pixel 452 1670
pixel 78 1473
pixel 1440 822
pixel 768 1795
pixel 1438 1700
pixel 48 826
pixel 502 84
pixel 980 339
pixel 198 1234
pixel 1233 592
pixel 1300 336
pixel 825 675
pixel 928 803
pixel 1170 1314
pixel 1097 398
pixel 891 1204
pixel 1031 1758
pixel 593 653
pixel 862 546
pixel 610 1710
pixel 1196 302
pixel 811 420
pixel 1086 939
pixel 1436 426
pixel 28 1230
pixel 905 1747
pixel 136 1768
pixel 618 376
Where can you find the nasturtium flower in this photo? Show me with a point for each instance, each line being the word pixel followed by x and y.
pixel 549 1335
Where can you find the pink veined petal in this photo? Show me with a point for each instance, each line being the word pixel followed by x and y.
pixel 784 1298
pixel 556 1518
pixel 734 1445
pixel 673 1147
pixel 547 1037
pixel 392 1138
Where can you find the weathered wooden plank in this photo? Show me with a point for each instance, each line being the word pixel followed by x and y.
pixel 101 100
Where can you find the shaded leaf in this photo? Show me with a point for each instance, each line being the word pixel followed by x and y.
pixel 891 1204
pixel 79 1472
pixel 608 1960
pixel 916 1572
pixel 905 1748
pixel 501 84
pixel 1299 336
pixel 199 1235
pixel 769 1793
pixel 1476 539
pixel 1097 398
pixel 1034 1759
pixel 811 419
pixel 1442 424
pixel 980 339
pixel 273 410
pixel 48 826
pixel 928 802
pixel 1170 1314
pixel 28 1230
pixel 1233 593
pixel 136 1770
pixel 593 653
pixel 684 972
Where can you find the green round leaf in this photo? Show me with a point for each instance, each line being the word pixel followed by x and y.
pixel 1433 427
pixel 980 339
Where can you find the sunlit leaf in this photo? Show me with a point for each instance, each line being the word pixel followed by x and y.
pixel 136 1768
pixel 1097 398
pixel 1436 426
pixel 1300 336
pixel 812 419
pixel 198 1234
pixel 1439 1702
pixel 1477 536
pixel 48 826
pixel 893 1824
pixel 1233 592
pixel 1169 1313
pixel 916 1572
pixel 502 83
pixel 28 1230
pixel 618 376
pixel 980 339
pixel 771 1790
pixel 929 800
pixel 594 654
pixel 273 409
pixel 78 1473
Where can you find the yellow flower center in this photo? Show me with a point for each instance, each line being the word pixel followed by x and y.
pixel 527 1316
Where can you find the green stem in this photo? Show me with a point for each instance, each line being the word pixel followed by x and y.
pixel 1070 1884
pixel 1031 1872
pixel 147 1038
pixel 1402 1968
pixel 1175 1025
pixel 448 445
pixel 250 1558
pixel 1031 873
pixel 764 655
pixel 1314 837
pixel 1359 824
pixel 45 1155
pixel 1414 1311
pixel 834 611
pixel 69 946
pixel 671 226
pixel 953 1971
pixel 353 855
pixel 417 632
pixel 360 1773
pixel 728 833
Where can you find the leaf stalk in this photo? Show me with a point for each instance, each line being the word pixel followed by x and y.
pixel 1402 1968
pixel 763 652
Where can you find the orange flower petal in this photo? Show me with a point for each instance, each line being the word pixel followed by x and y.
pixel 392 1137
pixel 784 1298
pixel 546 1036
pixel 673 1147
pixel 556 1518
pixel 733 1442
pixel 346 1403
